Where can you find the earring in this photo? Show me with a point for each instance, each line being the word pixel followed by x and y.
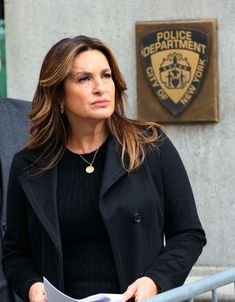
pixel 62 108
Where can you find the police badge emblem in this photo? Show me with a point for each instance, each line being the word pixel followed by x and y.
pixel 175 62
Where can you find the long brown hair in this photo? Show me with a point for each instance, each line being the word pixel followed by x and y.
pixel 49 128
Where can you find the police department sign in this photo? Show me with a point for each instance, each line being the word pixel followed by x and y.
pixel 175 62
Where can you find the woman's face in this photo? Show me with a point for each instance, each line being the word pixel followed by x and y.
pixel 89 90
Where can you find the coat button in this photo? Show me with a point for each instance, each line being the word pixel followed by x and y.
pixel 137 218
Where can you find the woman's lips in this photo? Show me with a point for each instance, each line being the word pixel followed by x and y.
pixel 100 102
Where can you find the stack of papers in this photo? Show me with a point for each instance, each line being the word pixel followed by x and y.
pixel 53 294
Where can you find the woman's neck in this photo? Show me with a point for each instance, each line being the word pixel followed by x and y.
pixel 86 139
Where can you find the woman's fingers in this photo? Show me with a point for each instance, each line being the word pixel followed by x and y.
pixel 141 289
pixel 37 293
pixel 130 292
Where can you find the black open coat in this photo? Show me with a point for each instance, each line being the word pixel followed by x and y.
pixel 139 209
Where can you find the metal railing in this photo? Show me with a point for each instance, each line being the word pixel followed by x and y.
pixel 190 291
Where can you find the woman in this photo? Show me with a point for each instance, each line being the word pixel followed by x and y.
pixel 94 195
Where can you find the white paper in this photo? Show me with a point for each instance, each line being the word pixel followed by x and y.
pixel 54 295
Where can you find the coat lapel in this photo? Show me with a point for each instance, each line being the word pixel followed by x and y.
pixel 41 193
pixel 113 168
pixel 41 190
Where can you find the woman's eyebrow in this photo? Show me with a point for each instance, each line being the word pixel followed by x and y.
pixel 107 69
pixel 79 73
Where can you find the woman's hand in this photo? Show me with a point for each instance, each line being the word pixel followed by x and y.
pixel 141 289
pixel 37 293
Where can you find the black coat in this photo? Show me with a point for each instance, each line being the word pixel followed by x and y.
pixel 138 210
pixel 14 125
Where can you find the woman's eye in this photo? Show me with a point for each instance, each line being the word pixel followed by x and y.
pixel 107 75
pixel 83 79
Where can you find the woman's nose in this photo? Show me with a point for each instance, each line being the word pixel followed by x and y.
pixel 98 86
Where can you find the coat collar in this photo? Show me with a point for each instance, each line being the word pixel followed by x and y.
pixel 41 190
pixel 41 194
pixel 113 168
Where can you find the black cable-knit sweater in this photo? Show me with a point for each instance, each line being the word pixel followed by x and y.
pixel 89 266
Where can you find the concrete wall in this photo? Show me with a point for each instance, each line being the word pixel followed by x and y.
pixel 207 149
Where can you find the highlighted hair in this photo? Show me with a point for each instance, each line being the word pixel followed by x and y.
pixel 50 129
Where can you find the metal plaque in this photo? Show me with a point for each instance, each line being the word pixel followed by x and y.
pixel 175 66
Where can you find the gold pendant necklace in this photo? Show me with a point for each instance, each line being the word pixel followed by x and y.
pixel 90 169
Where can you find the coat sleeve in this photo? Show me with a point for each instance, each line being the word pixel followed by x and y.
pixel 183 233
pixel 18 264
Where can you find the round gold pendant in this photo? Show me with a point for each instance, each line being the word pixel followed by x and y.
pixel 90 169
